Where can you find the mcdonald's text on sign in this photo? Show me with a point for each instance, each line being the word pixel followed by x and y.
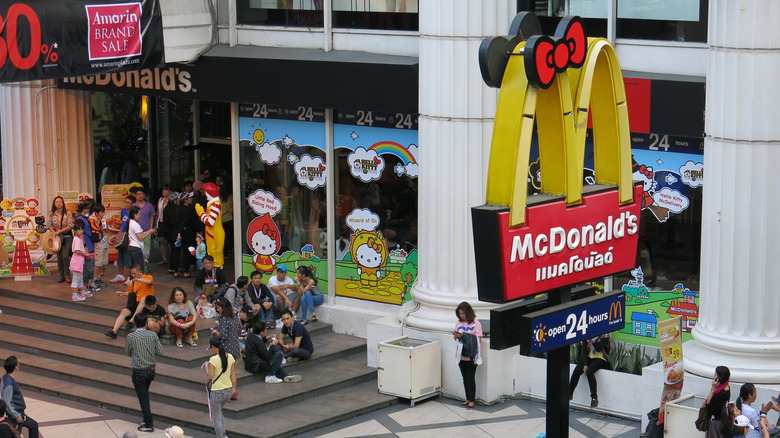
pixel 573 322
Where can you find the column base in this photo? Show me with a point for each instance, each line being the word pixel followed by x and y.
pixel 436 311
pixel 755 364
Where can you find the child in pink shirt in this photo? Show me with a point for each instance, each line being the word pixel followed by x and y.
pixel 77 263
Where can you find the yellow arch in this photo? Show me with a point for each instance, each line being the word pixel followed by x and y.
pixel 598 85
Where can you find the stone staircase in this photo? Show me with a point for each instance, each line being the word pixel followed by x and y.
pixel 63 352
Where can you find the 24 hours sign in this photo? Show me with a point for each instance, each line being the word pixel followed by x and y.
pixel 572 322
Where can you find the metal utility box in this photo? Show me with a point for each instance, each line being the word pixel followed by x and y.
pixel 680 414
pixel 409 368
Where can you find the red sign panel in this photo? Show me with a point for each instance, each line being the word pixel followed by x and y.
pixel 558 245
pixel 114 30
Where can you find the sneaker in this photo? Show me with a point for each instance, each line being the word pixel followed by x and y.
pixel 273 379
pixel 292 359
pixel 93 286
pixel 86 293
pixel 77 297
pixel 279 322
pixel 145 428
pixel 284 361
pixel 117 279
pixel 292 379
pixel 100 283
pixel 594 403
pixel 111 335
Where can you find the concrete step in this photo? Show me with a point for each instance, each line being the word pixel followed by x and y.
pixel 255 395
pixel 280 421
pixel 185 372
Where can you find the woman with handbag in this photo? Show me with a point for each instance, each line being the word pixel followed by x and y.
pixel 60 223
pixel 468 332
pixel 181 316
pixel 719 396
pixel 220 370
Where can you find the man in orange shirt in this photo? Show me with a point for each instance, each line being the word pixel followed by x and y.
pixel 139 286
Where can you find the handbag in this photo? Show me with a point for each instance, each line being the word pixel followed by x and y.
pixel 703 420
pixel 122 239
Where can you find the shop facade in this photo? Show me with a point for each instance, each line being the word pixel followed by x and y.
pixel 335 130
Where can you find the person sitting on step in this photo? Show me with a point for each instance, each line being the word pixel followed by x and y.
pixel 262 358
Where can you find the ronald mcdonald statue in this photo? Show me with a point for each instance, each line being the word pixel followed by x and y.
pixel 212 217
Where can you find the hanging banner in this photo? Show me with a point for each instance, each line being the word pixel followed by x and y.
pixel 671 355
pixel 113 197
pixel 46 40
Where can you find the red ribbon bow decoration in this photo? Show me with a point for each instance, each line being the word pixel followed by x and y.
pixel 545 56
pixel 645 171
pixel 268 231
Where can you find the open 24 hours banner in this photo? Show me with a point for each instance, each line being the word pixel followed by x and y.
pixel 54 39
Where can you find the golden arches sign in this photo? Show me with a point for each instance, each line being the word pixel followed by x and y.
pixel 553 84
pixel 561 115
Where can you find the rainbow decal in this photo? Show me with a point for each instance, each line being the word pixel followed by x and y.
pixel 393 148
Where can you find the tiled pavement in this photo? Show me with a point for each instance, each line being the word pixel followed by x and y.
pixel 433 418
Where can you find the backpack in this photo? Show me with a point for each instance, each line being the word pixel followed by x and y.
pixel 97 229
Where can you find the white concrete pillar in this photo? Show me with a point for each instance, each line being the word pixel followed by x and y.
pixel 46 139
pixel 456 125
pixel 739 310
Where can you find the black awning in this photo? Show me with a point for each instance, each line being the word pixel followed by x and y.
pixel 283 76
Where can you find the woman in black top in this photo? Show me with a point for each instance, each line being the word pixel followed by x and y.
pixel 717 399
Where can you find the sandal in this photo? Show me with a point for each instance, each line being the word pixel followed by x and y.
pixel 192 343
pixel 313 318
pixel 186 275
pixel 271 326
pixel 171 271
pixel 176 275
pixel 179 344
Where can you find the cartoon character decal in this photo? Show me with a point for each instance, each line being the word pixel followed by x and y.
pixel 369 250
pixel 264 240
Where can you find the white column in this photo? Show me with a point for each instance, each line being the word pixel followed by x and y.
pixel 456 124
pixel 740 304
pixel 46 140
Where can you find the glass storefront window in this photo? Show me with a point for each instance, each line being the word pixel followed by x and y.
pixel 376 208
pixel 376 14
pixel 120 139
pixel 669 20
pixel 351 14
pixel 174 134
pixel 550 12
pixel 283 179
pixel 295 13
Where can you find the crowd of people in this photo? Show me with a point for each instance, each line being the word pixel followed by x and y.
pixel 245 309
pixel 739 418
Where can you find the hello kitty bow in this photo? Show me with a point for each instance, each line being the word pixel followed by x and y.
pixel 644 170
pixel 545 56
pixel 268 231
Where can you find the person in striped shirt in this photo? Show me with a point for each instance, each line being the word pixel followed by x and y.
pixel 143 347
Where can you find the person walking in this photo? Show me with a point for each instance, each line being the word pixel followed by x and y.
pixel 143 347
pixel 220 370
pixel 12 394
pixel 468 333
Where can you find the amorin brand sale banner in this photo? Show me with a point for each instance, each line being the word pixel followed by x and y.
pixel 55 39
